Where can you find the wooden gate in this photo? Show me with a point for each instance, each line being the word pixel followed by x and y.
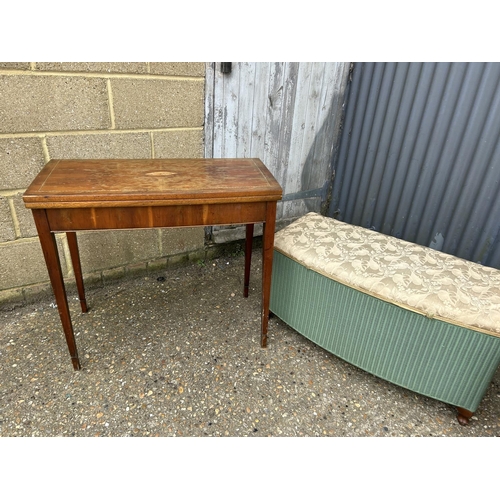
pixel 286 114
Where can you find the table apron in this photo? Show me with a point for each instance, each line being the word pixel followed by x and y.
pixel 74 219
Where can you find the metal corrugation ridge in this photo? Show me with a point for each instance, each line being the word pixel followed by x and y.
pixel 419 155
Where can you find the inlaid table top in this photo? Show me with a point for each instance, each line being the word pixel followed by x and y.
pixel 80 183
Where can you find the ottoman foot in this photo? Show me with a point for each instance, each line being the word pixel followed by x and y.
pixel 463 416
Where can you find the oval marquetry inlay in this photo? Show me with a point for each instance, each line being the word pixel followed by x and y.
pixel 160 173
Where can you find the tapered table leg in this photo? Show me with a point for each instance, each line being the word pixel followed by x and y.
pixel 77 268
pixel 248 257
pixel 267 265
pixel 49 248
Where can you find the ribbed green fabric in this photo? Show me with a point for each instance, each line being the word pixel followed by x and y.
pixel 434 358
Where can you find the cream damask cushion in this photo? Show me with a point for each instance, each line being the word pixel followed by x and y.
pixel 418 278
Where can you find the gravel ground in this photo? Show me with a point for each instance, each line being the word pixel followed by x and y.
pixel 176 353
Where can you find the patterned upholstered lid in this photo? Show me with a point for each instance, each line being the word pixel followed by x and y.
pixel 418 278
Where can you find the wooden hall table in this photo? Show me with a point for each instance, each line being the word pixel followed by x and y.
pixel 73 195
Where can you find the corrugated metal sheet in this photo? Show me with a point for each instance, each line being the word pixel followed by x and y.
pixel 419 156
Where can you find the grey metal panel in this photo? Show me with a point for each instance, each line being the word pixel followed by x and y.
pixel 419 155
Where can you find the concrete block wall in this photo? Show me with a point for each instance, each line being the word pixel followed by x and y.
pixel 92 110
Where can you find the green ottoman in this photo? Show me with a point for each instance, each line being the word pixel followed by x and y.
pixel 419 318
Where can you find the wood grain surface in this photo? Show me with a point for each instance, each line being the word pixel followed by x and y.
pixel 80 183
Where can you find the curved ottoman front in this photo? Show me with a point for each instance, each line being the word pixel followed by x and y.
pixel 417 317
